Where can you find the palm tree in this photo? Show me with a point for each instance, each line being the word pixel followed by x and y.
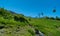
pixel 39 15
pixel 42 14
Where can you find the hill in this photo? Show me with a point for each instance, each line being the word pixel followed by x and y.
pixel 13 24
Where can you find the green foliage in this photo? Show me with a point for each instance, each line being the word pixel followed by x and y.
pixel 57 18
pixel 6 14
pixel 21 19
pixel 52 18
pixel 48 26
pixel 31 31
pixel 47 17
pixel 29 19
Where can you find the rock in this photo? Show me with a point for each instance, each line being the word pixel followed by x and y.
pixel 1 27
pixel 38 33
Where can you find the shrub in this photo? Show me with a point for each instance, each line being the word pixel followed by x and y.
pixel 57 18
pixel 31 31
pixel 29 19
pixel 21 19
pixel 47 17
pixel 16 18
pixel 52 18
pixel 36 31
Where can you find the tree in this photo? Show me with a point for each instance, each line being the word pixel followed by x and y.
pixel 40 14
pixel 57 18
pixel 52 18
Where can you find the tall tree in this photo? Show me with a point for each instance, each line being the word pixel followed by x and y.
pixel 39 15
pixel 42 14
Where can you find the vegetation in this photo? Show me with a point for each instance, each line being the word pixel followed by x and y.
pixel 12 24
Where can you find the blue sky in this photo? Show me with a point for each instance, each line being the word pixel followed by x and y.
pixel 32 7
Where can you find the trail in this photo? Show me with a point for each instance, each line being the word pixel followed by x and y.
pixel 37 32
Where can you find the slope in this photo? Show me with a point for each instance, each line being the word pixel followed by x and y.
pixel 47 26
pixel 12 24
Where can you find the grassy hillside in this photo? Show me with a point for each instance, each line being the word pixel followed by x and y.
pixel 47 26
pixel 12 24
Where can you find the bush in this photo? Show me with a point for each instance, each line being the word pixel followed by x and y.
pixel 6 14
pixel 21 19
pixel 57 18
pixel 16 18
pixel 47 17
pixel 36 31
pixel 29 19
pixel 52 18
pixel 31 31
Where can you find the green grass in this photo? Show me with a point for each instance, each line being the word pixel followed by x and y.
pixel 48 27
